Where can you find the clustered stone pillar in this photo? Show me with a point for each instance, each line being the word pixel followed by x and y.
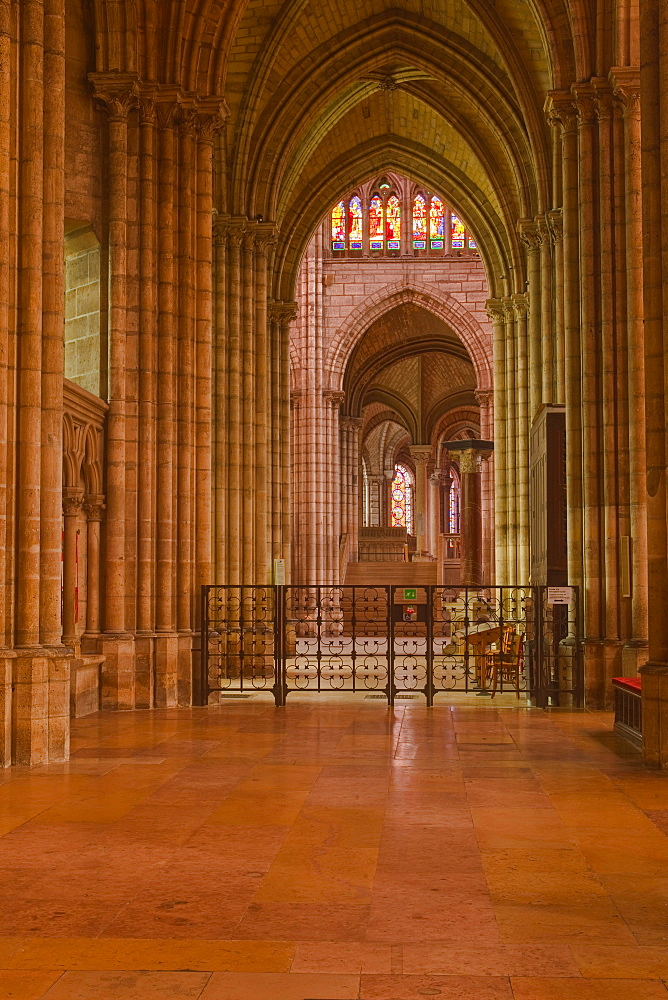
pixel 34 665
pixel 251 485
pixel 593 333
pixel 653 91
pixel 158 462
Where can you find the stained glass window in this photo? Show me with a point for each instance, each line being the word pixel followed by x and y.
pixel 376 227
pixel 339 227
pixel 436 224
pixel 393 217
pixel 419 223
pixel 355 224
pixel 472 244
pixel 453 512
pixel 402 499
pixel 458 233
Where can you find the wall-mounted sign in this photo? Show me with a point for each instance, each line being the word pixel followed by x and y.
pixel 279 572
pixel 559 595
pixel 410 594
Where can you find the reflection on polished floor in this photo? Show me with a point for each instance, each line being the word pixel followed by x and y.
pixel 336 850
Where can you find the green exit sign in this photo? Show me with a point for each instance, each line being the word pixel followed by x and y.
pixel 410 594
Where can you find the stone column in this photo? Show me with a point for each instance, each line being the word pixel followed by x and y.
pixel 530 238
pixel 117 645
pixel 72 504
pixel 421 454
pixel 485 398
pixel 512 485
pixel 555 224
pixel 590 389
pixel 653 84
pixel 471 453
pixel 562 115
pixel 522 432
pixel 496 317
pixel 627 93
pixel 350 485
pixel 94 508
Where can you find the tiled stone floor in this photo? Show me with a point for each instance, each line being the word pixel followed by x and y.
pixel 336 850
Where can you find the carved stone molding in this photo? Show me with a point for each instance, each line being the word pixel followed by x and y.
pixel 555 222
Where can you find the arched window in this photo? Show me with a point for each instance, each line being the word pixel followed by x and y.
pixel 393 216
pixel 339 226
pixel 376 226
pixel 355 224
pixel 419 223
pixel 458 233
pixel 454 505
pixel 402 499
pixel 436 224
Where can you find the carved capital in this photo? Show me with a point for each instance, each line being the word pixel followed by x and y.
pixel 72 502
pixel 585 97
pixel 603 103
pixel 187 119
pixel 147 110
pixel 484 397
pixel 282 313
pixel 625 83
pixel 334 397
pixel 561 111
pixel 520 304
pixel 469 461
pixel 266 238
pixel 555 222
pixel 211 117
pixel 420 453
pixel 166 113
pixel 529 234
pixel 350 423
pixel 94 507
pixel 117 93
pixel 495 312
pixel 221 225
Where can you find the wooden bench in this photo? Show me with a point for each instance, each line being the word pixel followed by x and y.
pixel 628 708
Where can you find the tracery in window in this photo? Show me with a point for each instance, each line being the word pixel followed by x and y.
pixel 339 226
pixel 419 223
pixel 402 499
pixel 453 507
pixel 436 224
pixel 393 223
pixel 355 224
pixel 376 227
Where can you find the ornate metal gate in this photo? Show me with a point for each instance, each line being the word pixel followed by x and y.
pixel 392 641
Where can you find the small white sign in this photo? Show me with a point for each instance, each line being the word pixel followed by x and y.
pixel 559 595
pixel 279 572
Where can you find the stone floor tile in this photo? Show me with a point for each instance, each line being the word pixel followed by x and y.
pixel 345 956
pixel 551 959
pixel 439 987
pixel 296 986
pixel 26 985
pixel 128 986
pixel 588 989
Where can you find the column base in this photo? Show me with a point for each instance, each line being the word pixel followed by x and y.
pixel 634 655
pixel 118 671
pixel 7 658
pixel 166 669
pixel 144 670
pixel 41 705
pixel 655 714
pixel 602 661
pixel 185 669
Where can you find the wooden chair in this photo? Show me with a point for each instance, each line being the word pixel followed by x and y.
pixel 507 661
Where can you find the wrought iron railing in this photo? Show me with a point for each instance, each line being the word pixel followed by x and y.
pixel 392 641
